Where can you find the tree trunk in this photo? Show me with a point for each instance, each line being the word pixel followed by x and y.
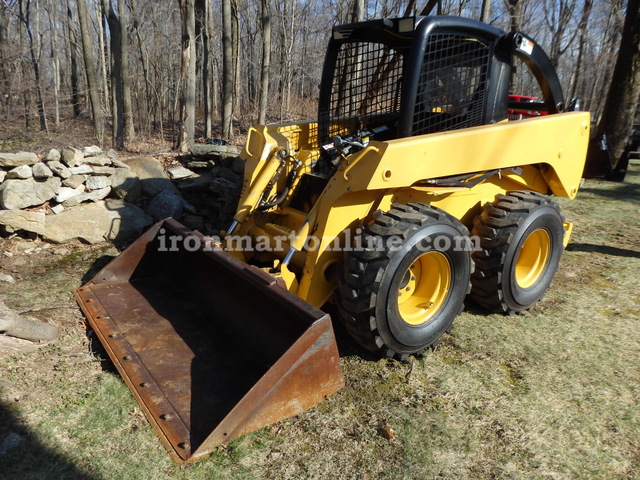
pixel 55 62
pixel 235 42
pixel 25 16
pixel 188 76
pixel 117 98
pixel 558 15
pixel 203 17
pixel 73 60
pixel 584 21
pixel 266 62
pixel 129 130
pixel 4 50
pixel 428 8
pixel 515 13
pixel 606 64
pixel 358 11
pixel 92 84
pixel 624 92
pixel 486 11
pixel 144 55
pixel 104 55
pixel 227 70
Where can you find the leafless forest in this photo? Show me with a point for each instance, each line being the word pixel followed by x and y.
pixel 176 70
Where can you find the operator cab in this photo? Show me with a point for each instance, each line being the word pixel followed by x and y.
pixel 396 78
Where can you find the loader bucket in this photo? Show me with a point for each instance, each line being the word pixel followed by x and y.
pixel 211 347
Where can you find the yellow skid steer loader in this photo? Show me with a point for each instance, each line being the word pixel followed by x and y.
pixel 410 191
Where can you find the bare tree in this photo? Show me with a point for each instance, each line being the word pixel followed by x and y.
pixel 514 7
pixel 144 57
pixel 558 15
pixel 117 97
pixel 72 39
pixel 266 61
pixel 276 48
pixel 129 130
pixel 584 21
pixel 4 50
pixel 103 52
pixel 227 69
pixel 25 16
pixel 55 61
pixel 203 33
pixel 89 61
pixel 358 10
pixel 624 92
pixel 603 67
pixel 187 76
pixel 486 11
pixel 123 128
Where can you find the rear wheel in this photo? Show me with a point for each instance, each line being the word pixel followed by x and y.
pixel 406 280
pixel 521 235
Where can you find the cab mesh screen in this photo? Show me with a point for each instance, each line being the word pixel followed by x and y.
pixel 452 85
pixel 366 84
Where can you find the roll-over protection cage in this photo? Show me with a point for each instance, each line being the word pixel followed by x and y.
pixel 420 75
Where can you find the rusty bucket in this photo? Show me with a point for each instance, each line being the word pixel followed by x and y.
pixel 210 347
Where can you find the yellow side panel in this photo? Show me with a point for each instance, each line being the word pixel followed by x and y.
pixel 558 142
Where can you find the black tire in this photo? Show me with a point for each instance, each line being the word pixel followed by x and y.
pixel 508 277
pixel 375 277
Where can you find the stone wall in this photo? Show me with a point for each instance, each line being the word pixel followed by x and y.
pixel 90 195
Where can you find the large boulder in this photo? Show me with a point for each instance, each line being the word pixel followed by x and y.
pixel 126 185
pixel 108 220
pixel 17 159
pixel 16 194
pixel 166 204
pixel 14 220
pixel 153 179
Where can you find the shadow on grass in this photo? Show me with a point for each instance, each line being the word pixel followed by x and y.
pixel 604 249
pixel 627 190
pixel 622 191
pixel 97 265
pixel 23 456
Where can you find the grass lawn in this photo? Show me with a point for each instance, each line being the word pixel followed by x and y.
pixel 553 393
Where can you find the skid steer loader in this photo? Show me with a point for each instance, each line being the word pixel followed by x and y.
pixel 410 191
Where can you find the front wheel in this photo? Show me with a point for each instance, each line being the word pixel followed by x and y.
pixel 405 280
pixel 521 235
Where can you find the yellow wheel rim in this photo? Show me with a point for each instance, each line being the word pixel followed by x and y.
pixel 533 258
pixel 424 288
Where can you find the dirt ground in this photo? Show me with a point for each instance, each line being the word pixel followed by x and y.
pixel 553 393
